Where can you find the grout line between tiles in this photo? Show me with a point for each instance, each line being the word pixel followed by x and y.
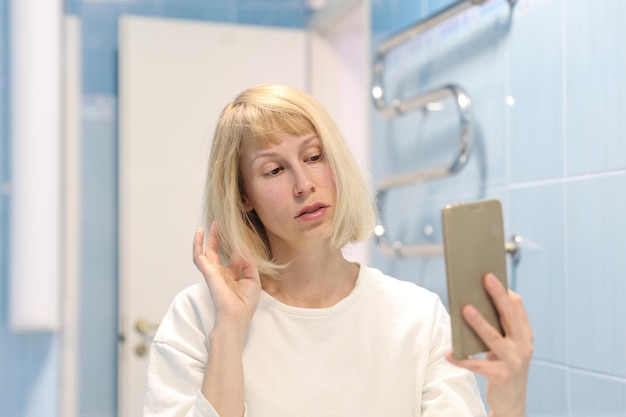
pixel 568 384
pixel 574 178
pixel 577 370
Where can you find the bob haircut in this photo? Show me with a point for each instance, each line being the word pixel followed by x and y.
pixel 262 115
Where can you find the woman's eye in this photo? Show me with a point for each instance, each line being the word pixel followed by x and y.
pixel 315 158
pixel 274 171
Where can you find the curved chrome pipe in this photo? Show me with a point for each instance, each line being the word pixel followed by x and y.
pixel 378 89
pixel 463 105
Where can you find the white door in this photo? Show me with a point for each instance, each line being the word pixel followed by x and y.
pixel 175 78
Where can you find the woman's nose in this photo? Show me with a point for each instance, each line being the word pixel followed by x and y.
pixel 303 183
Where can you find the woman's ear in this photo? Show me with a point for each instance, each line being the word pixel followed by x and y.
pixel 247 205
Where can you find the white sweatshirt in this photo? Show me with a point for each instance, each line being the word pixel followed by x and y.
pixel 377 353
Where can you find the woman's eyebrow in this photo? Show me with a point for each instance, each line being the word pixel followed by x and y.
pixel 309 139
pixel 268 153
pixel 264 154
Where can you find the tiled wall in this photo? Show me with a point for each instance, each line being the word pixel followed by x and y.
pixel 547 81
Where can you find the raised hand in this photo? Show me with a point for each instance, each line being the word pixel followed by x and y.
pixel 507 362
pixel 235 288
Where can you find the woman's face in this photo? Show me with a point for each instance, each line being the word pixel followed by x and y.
pixel 291 188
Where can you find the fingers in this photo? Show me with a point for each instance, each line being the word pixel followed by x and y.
pixel 205 259
pixel 483 328
pixel 490 335
pixel 198 249
pixel 210 255
pixel 501 299
pixel 506 364
pixel 511 309
pixel 482 367
pixel 523 322
pixel 515 345
pixel 213 235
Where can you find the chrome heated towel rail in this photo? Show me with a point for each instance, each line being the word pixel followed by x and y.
pixel 399 107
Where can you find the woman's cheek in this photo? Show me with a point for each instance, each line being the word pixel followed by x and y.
pixel 328 179
pixel 271 194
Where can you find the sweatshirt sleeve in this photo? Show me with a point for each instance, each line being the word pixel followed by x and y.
pixel 173 384
pixel 448 390
pixel 178 357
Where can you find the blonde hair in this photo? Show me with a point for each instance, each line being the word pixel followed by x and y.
pixel 260 115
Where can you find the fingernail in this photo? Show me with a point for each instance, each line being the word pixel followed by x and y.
pixel 469 311
pixel 491 279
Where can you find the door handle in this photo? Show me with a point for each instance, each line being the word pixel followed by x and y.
pixel 146 328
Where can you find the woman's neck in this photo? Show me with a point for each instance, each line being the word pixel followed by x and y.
pixel 313 279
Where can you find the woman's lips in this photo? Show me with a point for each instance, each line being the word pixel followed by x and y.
pixel 312 212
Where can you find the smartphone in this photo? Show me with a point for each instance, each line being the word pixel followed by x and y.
pixel 473 238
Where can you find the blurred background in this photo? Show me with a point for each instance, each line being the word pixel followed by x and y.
pixel 546 83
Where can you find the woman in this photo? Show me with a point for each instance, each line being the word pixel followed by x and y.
pixel 284 325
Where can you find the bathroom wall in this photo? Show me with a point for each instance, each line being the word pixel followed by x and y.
pixel 547 82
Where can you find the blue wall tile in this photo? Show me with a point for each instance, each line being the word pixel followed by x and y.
pixel 391 16
pixel 98 290
pixel 218 13
pixel 294 17
pixel 4 97
pixel 597 395
pixel 435 6
pixel 536 86
pixel 5 351
pixel 596 268
pixel 285 13
pixel 536 214
pixel 99 38
pixel 552 402
pixel 30 374
pixel 7 387
pixel 596 64
pixel 490 131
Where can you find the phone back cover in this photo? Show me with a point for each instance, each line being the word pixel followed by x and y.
pixel 473 236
